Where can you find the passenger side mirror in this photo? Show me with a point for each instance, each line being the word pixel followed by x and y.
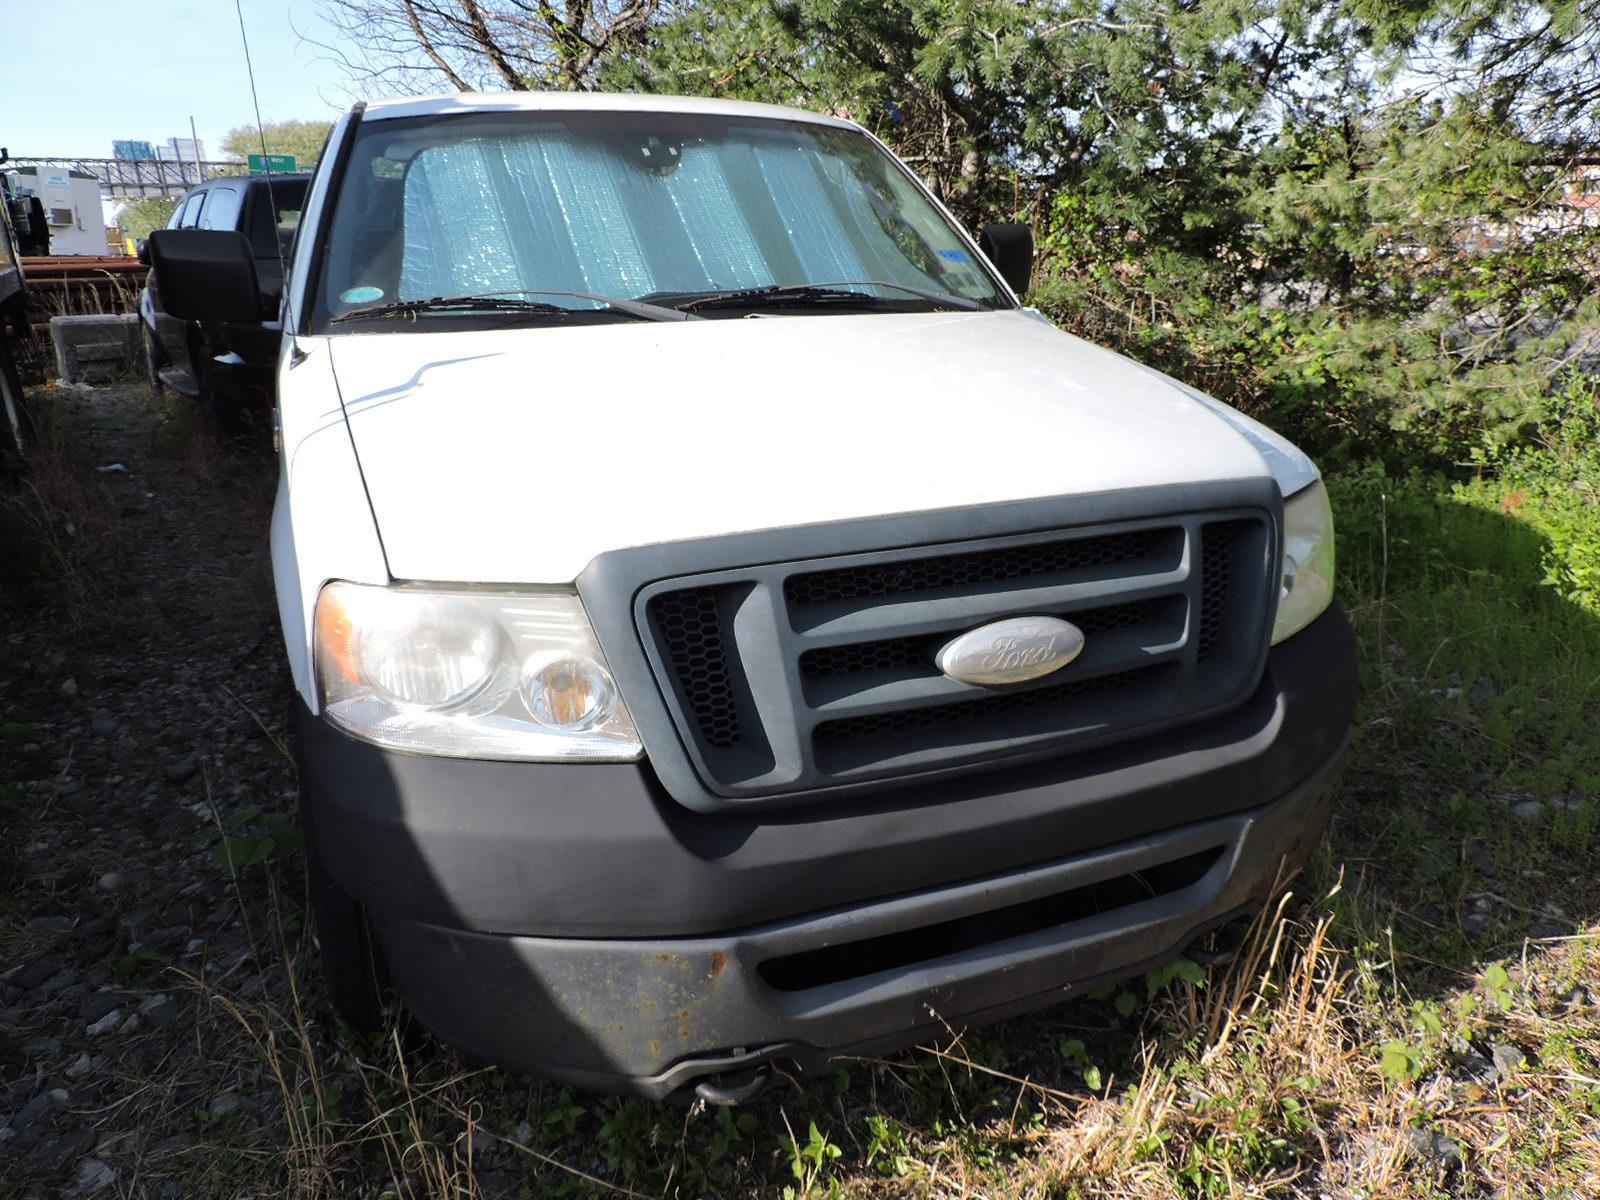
pixel 206 275
pixel 1009 246
pixel 141 250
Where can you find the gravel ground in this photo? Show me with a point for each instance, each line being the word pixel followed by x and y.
pixel 162 1032
pixel 138 725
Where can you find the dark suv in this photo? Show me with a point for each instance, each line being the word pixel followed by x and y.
pixel 228 367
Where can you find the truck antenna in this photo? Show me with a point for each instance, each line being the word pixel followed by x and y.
pixel 266 160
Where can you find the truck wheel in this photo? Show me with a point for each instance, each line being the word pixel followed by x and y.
pixel 352 963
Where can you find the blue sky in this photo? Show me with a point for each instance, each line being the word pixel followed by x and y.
pixel 74 74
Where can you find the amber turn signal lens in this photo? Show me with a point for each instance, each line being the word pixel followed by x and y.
pixel 567 692
pixel 336 636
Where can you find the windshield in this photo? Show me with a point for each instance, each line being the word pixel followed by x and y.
pixel 663 207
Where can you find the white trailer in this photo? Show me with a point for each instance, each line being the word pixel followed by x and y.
pixel 71 202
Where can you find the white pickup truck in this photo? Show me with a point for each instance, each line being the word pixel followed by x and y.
pixel 731 632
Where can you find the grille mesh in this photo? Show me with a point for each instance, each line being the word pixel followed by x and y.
pixel 859 658
pixel 1117 616
pixel 959 570
pixel 691 634
pixel 875 724
pixel 1216 570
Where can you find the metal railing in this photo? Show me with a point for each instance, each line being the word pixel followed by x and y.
pixel 131 178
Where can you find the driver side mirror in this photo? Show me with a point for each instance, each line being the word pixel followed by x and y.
pixel 1009 246
pixel 206 275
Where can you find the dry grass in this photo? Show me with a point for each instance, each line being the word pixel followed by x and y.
pixel 1281 1092
pixel 114 293
pixel 58 520
pixel 1264 1081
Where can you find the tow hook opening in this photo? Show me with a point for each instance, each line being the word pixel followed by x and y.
pixel 728 1088
pixel 735 1087
pixel 1221 945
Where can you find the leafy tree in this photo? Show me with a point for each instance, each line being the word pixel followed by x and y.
pixel 1341 215
pixel 303 139
pixel 998 102
pixel 139 217
pixel 475 45
pixel 1347 215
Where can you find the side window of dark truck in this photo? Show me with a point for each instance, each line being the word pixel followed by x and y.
pixel 272 217
pixel 222 207
pixel 188 214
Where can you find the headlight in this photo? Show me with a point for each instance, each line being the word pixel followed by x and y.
pixel 1306 588
pixel 468 674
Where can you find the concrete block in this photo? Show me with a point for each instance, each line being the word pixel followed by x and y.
pixel 96 348
pixel 100 352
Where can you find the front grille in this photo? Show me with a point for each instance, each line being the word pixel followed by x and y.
pixel 820 673
pixel 858 658
pixel 996 704
pixel 963 570
pixel 944 939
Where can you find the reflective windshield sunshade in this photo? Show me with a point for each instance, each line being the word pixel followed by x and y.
pixel 632 205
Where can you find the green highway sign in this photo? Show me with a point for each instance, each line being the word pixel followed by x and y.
pixel 278 164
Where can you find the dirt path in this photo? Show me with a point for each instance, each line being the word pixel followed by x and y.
pixel 137 723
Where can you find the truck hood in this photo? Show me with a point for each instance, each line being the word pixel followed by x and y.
pixel 516 456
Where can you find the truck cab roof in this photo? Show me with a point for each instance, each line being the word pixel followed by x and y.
pixel 487 102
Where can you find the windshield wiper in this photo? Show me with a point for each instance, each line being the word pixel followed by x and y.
pixel 812 293
pixel 514 300
pixel 410 308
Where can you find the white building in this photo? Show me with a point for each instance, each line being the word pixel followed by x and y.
pixel 71 202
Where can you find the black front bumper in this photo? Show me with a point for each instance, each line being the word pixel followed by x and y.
pixel 574 920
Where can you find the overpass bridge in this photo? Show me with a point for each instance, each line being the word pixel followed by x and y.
pixel 132 178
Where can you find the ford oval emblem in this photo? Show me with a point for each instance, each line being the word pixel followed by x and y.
pixel 1011 651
